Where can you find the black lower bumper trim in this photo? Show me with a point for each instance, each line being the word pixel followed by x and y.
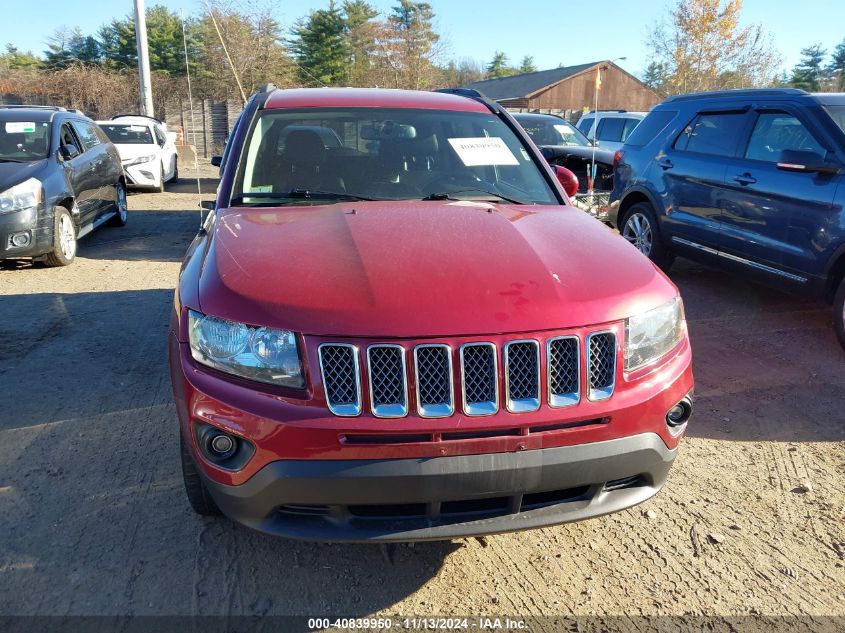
pixel 447 497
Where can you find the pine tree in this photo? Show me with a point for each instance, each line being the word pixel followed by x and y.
pixel 836 68
pixel 655 76
pixel 320 47
pixel 361 38
pixel 498 66
pixel 15 59
pixel 527 65
pixel 809 74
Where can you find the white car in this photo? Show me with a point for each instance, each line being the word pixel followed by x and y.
pixel 147 151
pixel 610 128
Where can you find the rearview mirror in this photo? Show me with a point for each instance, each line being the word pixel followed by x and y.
pixel 216 161
pixel 567 180
pixel 208 205
pixel 69 152
pixel 808 161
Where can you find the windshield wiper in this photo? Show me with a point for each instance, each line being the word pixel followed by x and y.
pixel 300 194
pixel 450 195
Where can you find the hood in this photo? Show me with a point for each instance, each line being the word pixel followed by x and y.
pixel 12 174
pixel 556 151
pixel 134 150
pixel 420 269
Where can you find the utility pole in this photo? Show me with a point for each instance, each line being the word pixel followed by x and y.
pixel 143 59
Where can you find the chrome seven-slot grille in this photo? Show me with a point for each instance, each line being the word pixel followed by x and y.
pixel 436 378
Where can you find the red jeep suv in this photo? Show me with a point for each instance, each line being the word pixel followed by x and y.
pixel 394 327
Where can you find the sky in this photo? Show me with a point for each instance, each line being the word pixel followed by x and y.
pixel 553 32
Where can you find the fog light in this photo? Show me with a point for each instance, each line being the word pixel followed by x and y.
pixel 19 240
pixel 223 445
pixel 680 413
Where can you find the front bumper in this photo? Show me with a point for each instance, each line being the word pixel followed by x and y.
pixel 35 224
pixel 143 174
pixel 446 497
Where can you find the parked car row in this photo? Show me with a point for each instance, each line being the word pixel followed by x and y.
pixel 62 175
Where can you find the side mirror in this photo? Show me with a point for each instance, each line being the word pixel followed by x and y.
pixel 68 152
pixel 567 179
pixel 807 161
pixel 217 161
pixel 208 205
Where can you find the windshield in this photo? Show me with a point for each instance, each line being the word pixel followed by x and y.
pixel 837 113
pixel 322 155
pixel 553 132
pixel 124 134
pixel 24 141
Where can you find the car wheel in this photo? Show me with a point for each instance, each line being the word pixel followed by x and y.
pixel 175 170
pixel 121 206
pixel 160 187
pixel 839 312
pixel 640 228
pixel 64 239
pixel 198 495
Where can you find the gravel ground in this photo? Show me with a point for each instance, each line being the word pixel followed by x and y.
pixel 93 518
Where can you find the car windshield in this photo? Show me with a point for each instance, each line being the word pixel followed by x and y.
pixel 324 155
pixel 24 141
pixel 126 134
pixel 837 113
pixel 553 132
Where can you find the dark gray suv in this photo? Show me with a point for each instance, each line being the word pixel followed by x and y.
pixel 60 178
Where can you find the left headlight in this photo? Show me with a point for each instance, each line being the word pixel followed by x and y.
pixel 653 334
pixel 26 195
pixel 255 353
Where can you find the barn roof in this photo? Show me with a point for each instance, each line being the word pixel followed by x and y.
pixel 526 84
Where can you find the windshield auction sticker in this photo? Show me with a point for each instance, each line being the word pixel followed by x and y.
pixel 475 152
pixel 20 127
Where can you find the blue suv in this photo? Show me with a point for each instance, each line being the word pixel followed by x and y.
pixel 751 179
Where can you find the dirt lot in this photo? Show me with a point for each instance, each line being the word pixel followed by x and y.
pixel 93 518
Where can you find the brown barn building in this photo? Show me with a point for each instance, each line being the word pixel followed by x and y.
pixel 570 89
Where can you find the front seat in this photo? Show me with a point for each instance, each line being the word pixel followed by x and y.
pixel 305 164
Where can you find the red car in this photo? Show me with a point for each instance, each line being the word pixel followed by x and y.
pixel 411 334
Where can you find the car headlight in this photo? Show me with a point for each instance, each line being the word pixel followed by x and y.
pixel 650 335
pixel 140 160
pixel 26 195
pixel 255 353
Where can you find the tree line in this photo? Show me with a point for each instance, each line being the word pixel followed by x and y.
pixel 701 45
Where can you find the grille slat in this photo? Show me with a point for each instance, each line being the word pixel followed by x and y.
pixel 601 365
pixel 388 383
pixel 522 376
pixel 480 379
pixel 435 393
pixel 564 371
pixel 341 378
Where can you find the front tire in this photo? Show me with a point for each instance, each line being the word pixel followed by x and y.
pixel 64 239
pixel 839 312
pixel 639 227
pixel 197 493
pixel 175 177
pixel 160 187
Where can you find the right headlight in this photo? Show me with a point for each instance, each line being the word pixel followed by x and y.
pixel 257 353
pixel 140 160
pixel 651 335
pixel 26 195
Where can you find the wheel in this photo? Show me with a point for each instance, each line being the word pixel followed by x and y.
pixel 160 187
pixel 64 239
pixel 121 206
pixel 175 170
pixel 839 312
pixel 639 227
pixel 198 496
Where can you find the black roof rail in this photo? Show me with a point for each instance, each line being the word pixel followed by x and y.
pixel 740 92
pixel 472 93
pixel 268 87
pixel 140 116
pixel 34 107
